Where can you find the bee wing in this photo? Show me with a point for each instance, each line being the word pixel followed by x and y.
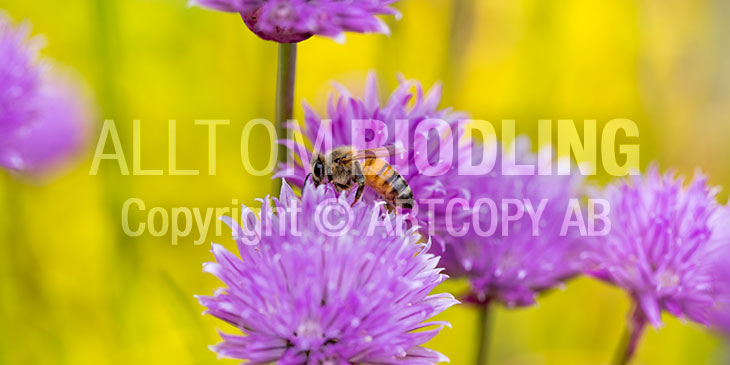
pixel 379 152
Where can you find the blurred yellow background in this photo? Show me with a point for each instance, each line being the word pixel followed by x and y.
pixel 74 289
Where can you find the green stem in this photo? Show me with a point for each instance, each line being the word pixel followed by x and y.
pixel 463 17
pixel 632 335
pixel 15 224
pixel 123 272
pixel 285 80
pixel 7 240
pixel 485 327
pixel 14 262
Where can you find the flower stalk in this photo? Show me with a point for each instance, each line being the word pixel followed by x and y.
pixel 285 82
pixel 634 330
pixel 485 327
pixel 463 15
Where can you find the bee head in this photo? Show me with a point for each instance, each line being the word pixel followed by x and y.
pixel 317 166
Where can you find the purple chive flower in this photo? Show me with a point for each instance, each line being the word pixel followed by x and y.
pixel 366 123
pixel 42 117
pixel 720 225
pixel 662 243
pixel 720 317
pixel 512 266
pixel 304 295
pixel 291 21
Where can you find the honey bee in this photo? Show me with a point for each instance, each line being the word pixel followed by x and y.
pixel 346 167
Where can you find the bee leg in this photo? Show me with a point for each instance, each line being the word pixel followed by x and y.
pixel 358 194
pixel 359 179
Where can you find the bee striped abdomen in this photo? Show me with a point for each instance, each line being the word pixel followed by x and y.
pixel 387 182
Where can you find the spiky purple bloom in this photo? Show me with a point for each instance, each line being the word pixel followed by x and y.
pixel 662 245
pixel 290 21
pixel 720 225
pixel 720 317
pixel 304 297
pixel 512 261
pixel 42 116
pixel 393 123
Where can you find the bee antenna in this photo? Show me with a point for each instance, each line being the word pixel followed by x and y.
pixel 305 179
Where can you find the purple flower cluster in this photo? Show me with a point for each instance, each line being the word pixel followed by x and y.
pixel 512 266
pixel 663 243
pixel 310 298
pixel 290 21
pixel 720 314
pixel 42 118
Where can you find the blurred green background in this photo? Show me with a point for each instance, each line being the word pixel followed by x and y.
pixel 74 289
